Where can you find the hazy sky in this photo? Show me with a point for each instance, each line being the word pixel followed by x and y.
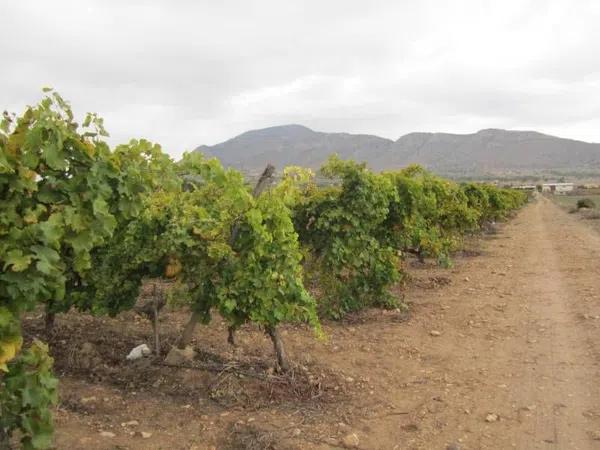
pixel 185 73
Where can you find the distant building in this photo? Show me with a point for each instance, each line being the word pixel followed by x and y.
pixel 526 187
pixel 557 188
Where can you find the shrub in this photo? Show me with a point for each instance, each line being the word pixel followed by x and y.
pixel 585 203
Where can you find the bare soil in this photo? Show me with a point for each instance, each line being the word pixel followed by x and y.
pixel 501 351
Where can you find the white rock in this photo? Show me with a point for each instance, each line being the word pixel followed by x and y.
pixel 491 418
pixel 138 352
pixel 131 423
pixel 107 434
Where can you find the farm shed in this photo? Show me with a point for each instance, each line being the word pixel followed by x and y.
pixel 557 188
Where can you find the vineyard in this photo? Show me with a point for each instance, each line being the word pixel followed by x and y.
pixel 85 228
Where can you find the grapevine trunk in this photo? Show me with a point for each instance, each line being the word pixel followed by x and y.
pixel 282 359
pixel 188 331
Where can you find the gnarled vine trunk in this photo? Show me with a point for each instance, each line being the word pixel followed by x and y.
pixel 231 336
pixel 151 310
pixel 279 348
pixel 4 440
pixel 49 320
pixel 155 329
pixel 188 331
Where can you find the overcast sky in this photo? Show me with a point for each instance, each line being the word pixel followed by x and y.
pixel 185 73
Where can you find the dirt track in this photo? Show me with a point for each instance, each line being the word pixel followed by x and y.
pixel 522 340
pixel 518 345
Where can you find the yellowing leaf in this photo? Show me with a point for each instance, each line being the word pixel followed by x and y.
pixel 8 350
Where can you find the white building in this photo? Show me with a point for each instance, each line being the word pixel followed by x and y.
pixel 557 188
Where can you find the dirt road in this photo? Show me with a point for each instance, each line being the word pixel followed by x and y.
pixel 521 341
pixel 500 352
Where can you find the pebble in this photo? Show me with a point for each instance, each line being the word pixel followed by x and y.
pixel 131 423
pixel 350 440
pixel 491 418
pixel 107 434
pixel 435 333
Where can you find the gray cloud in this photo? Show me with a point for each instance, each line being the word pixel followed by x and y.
pixel 191 72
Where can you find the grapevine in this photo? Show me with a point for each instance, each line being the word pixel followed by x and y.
pixel 83 226
pixel 340 226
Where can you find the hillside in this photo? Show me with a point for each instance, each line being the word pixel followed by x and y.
pixel 294 145
pixel 491 151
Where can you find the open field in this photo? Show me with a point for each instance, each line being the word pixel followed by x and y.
pixel 590 217
pixel 501 351
pixel 569 201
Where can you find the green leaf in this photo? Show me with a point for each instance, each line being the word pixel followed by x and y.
pixel 53 229
pixel 48 259
pixel 54 156
pixel 17 261
pixel 5 166
pixel 100 207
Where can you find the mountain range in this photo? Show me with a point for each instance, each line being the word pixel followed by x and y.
pixel 486 152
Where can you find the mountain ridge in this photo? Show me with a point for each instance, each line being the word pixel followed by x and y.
pixel 487 151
